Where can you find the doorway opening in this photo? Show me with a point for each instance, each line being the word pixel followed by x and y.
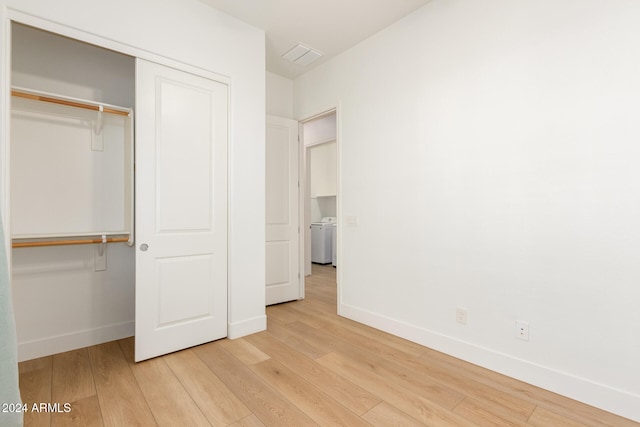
pixel 321 195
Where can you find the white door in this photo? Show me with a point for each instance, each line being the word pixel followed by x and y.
pixel 181 210
pixel 282 212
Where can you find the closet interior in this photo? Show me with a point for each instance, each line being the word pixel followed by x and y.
pixel 71 192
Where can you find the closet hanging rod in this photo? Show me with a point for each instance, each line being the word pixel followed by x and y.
pixel 68 242
pixel 70 103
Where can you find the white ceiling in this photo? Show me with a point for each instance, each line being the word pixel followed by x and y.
pixel 330 26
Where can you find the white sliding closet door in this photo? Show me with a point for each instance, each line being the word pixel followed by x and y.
pixel 181 210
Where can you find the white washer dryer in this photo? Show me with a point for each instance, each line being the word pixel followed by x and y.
pixel 321 244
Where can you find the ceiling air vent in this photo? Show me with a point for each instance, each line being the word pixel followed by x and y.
pixel 302 55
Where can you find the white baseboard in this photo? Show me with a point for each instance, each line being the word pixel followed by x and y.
pixel 60 343
pixel 584 390
pixel 247 327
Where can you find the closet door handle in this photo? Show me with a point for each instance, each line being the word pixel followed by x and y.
pixel 144 247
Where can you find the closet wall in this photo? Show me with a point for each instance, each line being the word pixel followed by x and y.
pixel 279 95
pixel 60 300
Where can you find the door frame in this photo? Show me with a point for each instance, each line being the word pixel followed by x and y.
pixel 305 195
pixel 9 15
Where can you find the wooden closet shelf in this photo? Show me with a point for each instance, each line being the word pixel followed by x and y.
pixel 68 103
pixel 66 242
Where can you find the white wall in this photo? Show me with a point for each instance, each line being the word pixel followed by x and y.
pixel 323 206
pixel 489 149
pixel 191 33
pixel 44 61
pixel 279 95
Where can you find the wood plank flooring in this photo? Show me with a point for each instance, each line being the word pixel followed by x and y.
pixel 310 367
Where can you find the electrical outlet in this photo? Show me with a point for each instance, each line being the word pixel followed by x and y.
pixel 461 315
pixel 522 330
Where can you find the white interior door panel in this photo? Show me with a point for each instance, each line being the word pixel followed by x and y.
pixel 181 210
pixel 282 212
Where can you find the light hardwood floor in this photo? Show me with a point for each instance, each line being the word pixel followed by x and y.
pixel 310 367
